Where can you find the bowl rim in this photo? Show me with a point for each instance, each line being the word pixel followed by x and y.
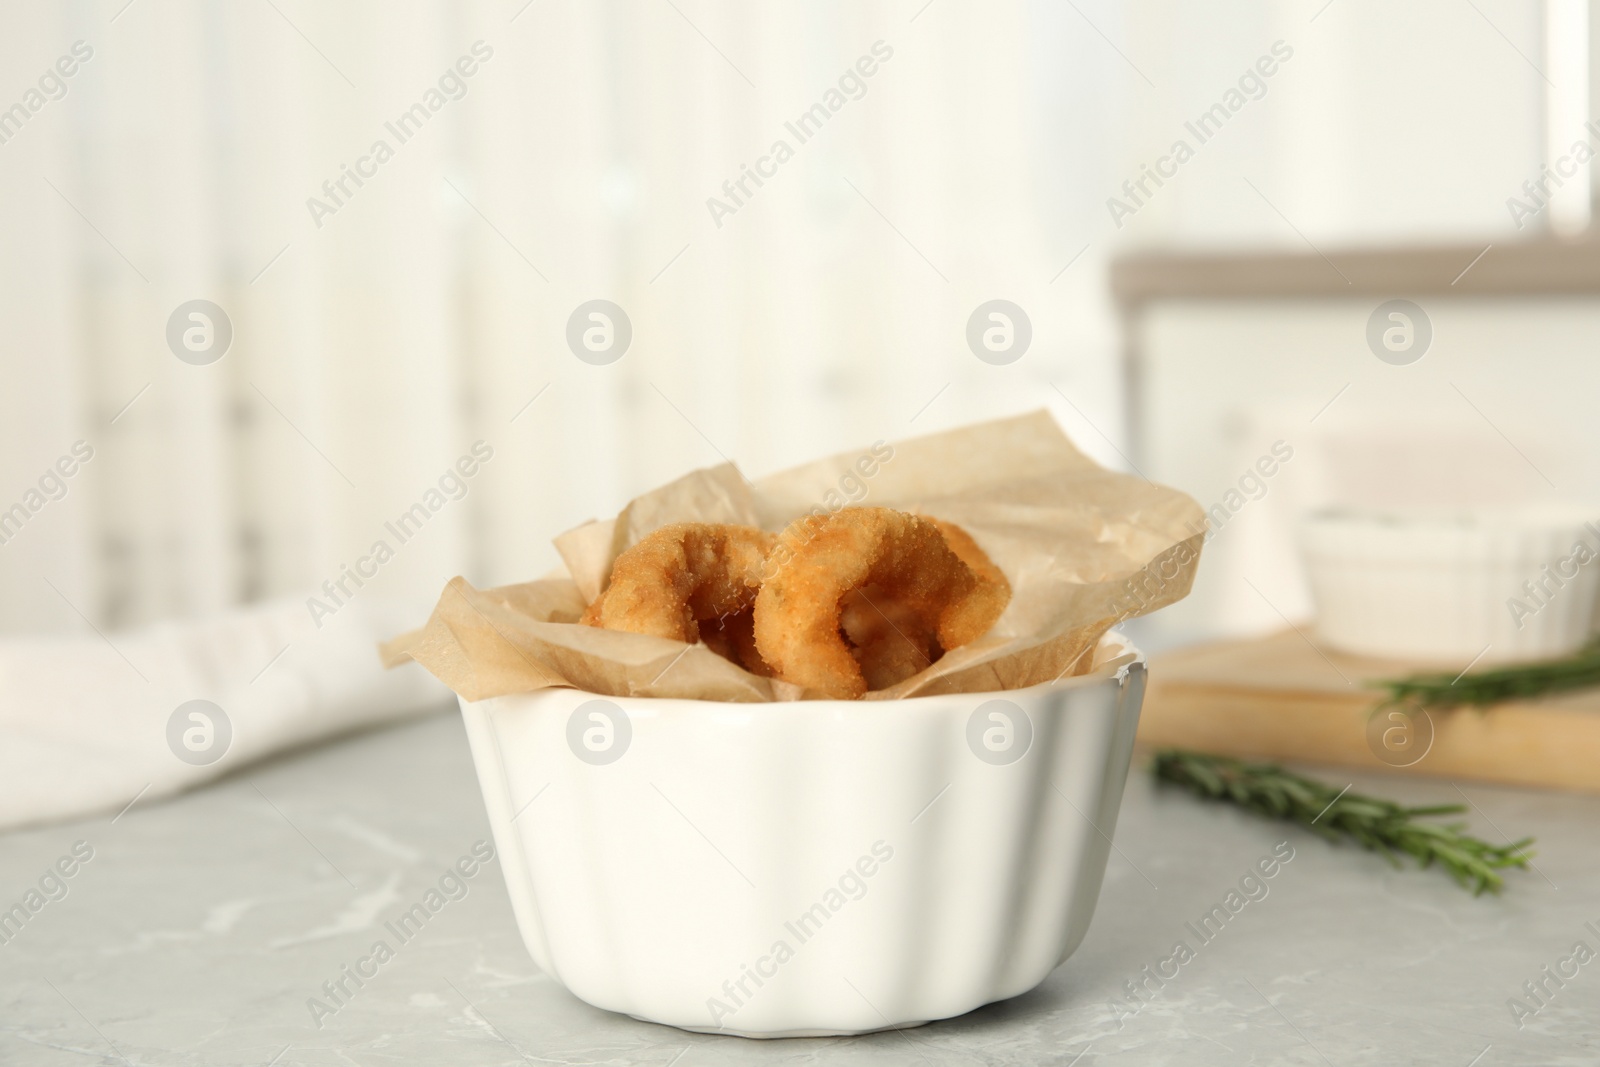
pixel 1532 516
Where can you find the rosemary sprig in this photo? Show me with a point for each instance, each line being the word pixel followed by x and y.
pixel 1482 688
pixel 1379 825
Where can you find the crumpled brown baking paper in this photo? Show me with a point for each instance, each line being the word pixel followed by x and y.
pixel 1084 548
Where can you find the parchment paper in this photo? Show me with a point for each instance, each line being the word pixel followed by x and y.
pixel 1083 547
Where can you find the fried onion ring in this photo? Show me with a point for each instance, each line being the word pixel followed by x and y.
pixel 825 557
pixel 889 640
pixel 992 583
pixel 733 637
pixel 682 578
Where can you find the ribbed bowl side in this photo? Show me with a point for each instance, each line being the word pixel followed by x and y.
pixel 815 867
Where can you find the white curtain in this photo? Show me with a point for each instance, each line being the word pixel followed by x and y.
pixel 374 345
pixel 379 336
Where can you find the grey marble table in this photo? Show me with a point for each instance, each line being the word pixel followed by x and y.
pixel 200 927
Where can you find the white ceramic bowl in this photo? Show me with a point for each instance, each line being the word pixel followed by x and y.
pixel 1447 587
pixel 823 867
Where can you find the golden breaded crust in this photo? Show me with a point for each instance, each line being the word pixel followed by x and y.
pixel 679 576
pixel 819 559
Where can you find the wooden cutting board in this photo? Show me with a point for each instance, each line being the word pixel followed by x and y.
pixel 1282 698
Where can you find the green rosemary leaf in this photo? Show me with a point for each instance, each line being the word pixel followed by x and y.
pixel 1443 690
pixel 1382 826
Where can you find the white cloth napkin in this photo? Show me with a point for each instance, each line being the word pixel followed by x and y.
pixel 84 721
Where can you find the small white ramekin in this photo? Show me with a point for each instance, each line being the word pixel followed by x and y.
pixel 809 868
pixel 1446 588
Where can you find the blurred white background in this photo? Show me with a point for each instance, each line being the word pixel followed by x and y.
pixel 374 345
